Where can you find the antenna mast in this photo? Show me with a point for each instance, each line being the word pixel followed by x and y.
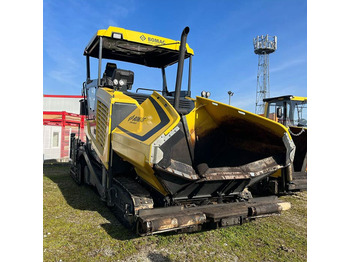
pixel 263 46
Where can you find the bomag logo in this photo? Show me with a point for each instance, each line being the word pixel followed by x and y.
pixel 142 37
pixel 152 40
pixel 155 40
pixel 135 119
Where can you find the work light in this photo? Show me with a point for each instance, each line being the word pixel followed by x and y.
pixel 117 35
pixel 122 82
pixel 205 94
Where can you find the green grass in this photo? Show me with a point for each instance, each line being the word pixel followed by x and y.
pixel 79 227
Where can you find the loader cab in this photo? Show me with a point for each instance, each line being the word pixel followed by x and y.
pixel 290 111
pixel 287 110
pixel 117 44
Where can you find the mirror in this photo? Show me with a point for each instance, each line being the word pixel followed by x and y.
pixel 83 107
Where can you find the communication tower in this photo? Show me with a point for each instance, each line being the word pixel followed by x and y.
pixel 263 46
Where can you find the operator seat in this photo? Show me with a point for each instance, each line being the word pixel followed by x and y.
pixel 107 79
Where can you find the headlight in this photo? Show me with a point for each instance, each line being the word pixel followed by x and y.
pixel 122 82
pixel 205 94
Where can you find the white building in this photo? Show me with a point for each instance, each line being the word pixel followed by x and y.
pixel 61 117
pixel 61 103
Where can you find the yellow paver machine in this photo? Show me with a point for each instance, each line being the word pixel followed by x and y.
pixel 165 161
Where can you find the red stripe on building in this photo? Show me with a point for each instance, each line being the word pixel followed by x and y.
pixel 64 96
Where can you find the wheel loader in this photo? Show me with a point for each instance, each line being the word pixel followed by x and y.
pixel 162 160
pixel 290 111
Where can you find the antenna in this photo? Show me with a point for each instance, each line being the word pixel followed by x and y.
pixel 263 46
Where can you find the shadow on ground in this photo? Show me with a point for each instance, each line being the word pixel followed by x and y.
pixel 158 257
pixel 85 198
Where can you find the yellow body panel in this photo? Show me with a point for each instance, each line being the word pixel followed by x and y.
pixel 142 121
pixel 133 137
pixel 190 119
pixel 98 131
pixel 299 98
pixel 219 110
pixel 278 173
pixel 143 38
pixel 138 122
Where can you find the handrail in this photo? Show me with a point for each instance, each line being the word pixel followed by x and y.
pixel 147 89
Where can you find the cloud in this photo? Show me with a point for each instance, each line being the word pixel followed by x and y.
pixel 60 62
pixel 287 64
pixel 65 72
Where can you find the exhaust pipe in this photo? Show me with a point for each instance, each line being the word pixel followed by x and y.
pixel 180 67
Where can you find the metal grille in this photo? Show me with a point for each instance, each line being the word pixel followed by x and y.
pixel 101 123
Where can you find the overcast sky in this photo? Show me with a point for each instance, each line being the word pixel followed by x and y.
pixel 221 35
